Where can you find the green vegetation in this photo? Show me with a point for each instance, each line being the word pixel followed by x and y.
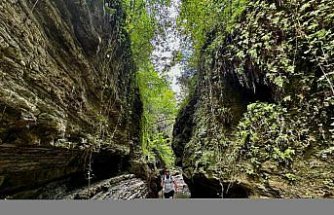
pixel 142 26
pixel 206 23
pixel 264 89
pixel 200 18
pixel 159 113
pixel 159 104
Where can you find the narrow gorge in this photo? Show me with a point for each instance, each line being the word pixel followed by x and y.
pixel 97 96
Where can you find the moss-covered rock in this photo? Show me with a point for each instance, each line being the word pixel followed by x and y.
pixel 66 80
pixel 265 100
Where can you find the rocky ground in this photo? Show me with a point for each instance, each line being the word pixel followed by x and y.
pixel 124 187
pixel 182 190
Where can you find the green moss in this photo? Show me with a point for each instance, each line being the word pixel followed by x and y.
pixel 282 55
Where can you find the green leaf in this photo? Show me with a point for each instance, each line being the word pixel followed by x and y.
pixel 279 81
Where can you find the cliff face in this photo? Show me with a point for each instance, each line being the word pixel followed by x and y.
pixel 260 122
pixel 66 80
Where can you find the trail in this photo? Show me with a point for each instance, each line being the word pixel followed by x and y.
pixel 182 191
pixel 123 187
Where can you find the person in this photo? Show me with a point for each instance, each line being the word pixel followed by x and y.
pixel 168 185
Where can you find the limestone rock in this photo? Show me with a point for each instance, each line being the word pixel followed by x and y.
pixel 59 96
pixel 266 112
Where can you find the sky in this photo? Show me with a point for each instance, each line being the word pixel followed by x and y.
pixel 166 45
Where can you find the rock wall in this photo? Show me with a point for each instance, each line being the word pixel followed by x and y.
pixel 260 121
pixel 66 81
pixel 25 167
